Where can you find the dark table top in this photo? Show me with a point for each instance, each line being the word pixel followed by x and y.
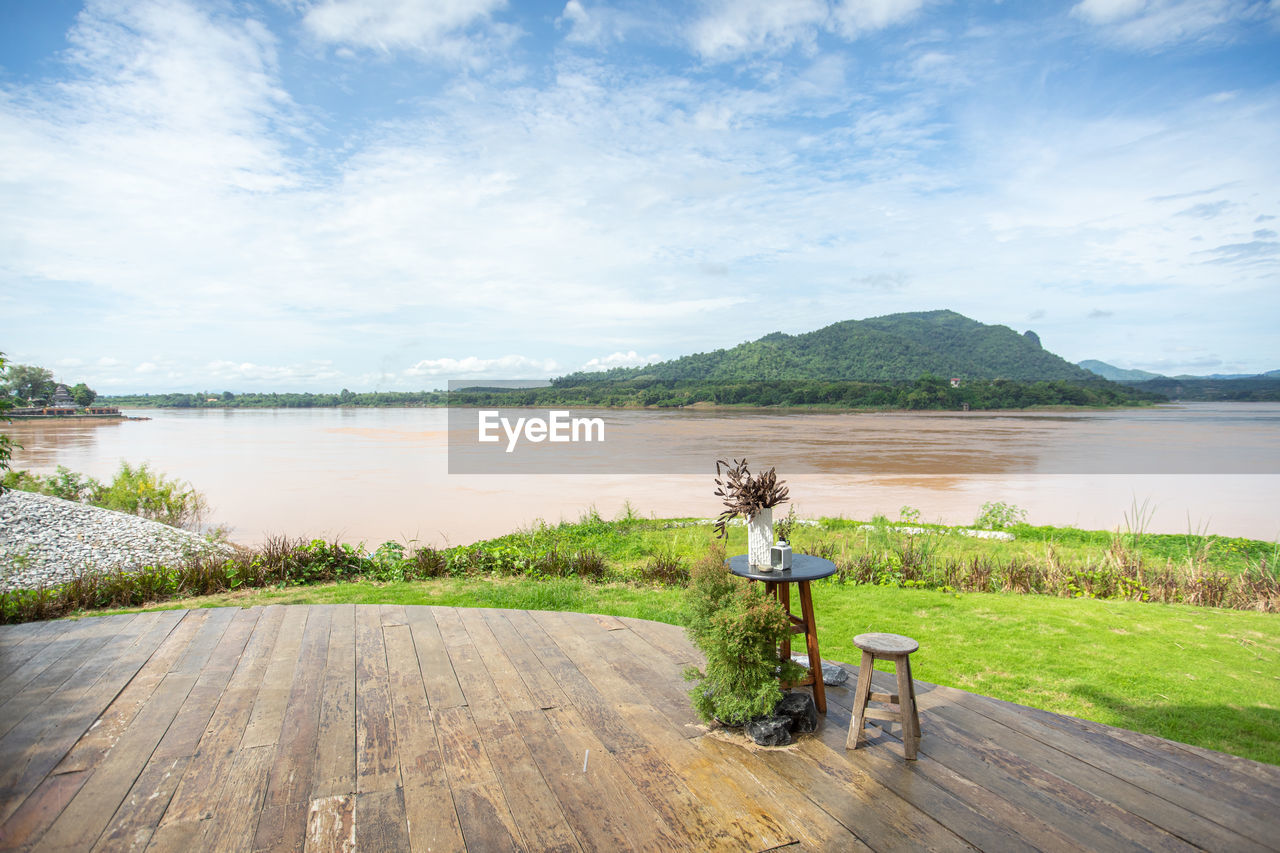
pixel 804 567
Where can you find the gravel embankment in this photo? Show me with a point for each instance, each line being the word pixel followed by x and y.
pixel 45 541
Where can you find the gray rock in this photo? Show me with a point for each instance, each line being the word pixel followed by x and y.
pixel 770 731
pixel 832 674
pixel 45 541
pixel 799 708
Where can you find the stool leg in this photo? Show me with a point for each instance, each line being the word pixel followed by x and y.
pixel 906 706
pixel 915 709
pixel 811 645
pixel 862 694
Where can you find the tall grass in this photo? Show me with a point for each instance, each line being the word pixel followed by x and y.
pixel 282 561
pixel 1122 571
pixel 136 490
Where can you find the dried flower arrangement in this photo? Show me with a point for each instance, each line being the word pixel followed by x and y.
pixel 745 493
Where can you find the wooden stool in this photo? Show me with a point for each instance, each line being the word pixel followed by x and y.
pixel 898 649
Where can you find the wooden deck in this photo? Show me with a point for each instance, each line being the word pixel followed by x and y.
pixel 420 728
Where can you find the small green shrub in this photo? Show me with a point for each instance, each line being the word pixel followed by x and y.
pixel 738 627
pixel 140 491
pixel 997 515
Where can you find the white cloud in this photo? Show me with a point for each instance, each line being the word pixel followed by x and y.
pixel 601 25
pixel 430 26
pixel 852 18
pixel 736 27
pixel 1109 11
pixel 1153 24
pixel 619 359
pixel 472 367
pixel 580 24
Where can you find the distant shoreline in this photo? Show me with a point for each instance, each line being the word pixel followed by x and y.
pixel 822 408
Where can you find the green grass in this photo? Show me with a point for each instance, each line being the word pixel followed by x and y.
pixel 1204 676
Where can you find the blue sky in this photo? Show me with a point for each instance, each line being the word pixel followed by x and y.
pixel 316 194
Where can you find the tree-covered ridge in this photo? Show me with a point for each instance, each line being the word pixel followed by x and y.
pixel 893 348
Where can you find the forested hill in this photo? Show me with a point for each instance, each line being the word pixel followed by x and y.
pixel 893 348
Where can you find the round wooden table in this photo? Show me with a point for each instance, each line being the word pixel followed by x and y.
pixel 804 568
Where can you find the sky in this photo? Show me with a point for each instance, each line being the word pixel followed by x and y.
pixel 294 195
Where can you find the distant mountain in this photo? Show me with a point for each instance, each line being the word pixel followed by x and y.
pixel 1120 374
pixel 893 348
pixel 1116 374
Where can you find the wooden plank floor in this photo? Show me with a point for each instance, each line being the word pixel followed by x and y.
pixel 370 727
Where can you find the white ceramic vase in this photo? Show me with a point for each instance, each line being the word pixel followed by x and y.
pixel 760 539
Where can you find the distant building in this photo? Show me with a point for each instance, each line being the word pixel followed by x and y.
pixel 955 383
pixel 62 397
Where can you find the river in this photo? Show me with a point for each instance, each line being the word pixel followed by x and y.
pixel 383 474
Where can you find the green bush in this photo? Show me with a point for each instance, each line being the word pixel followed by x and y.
pixel 997 515
pixel 738 627
pixel 140 491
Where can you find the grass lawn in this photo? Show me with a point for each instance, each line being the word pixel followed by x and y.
pixel 1204 676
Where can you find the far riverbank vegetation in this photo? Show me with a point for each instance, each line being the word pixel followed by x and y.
pixel 925 393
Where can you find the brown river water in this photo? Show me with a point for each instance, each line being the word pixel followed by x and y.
pixel 384 474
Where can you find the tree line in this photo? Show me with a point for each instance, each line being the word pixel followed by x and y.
pixel 29 385
pixel 927 392
pixel 289 400
pixel 1251 389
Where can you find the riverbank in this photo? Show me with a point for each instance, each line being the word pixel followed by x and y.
pixel 46 541
pixel 703 406
pixel 110 554
pixel 19 416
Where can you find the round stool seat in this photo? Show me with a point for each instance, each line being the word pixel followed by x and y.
pixel 886 644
